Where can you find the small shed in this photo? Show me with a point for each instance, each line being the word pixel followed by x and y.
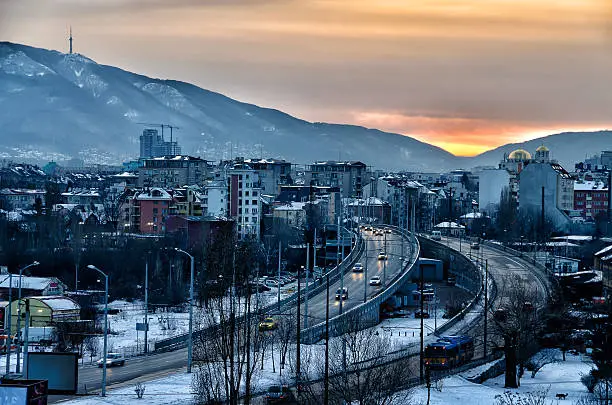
pixel 44 310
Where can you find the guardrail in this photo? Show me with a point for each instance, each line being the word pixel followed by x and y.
pixel 180 341
pixel 338 324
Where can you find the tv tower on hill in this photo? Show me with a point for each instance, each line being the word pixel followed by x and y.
pixel 70 39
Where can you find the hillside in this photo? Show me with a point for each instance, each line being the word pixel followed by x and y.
pixel 57 106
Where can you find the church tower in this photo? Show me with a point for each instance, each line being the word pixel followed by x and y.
pixel 70 39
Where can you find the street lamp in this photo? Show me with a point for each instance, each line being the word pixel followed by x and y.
pixel 19 348
pixel 190 337
pixel 92 267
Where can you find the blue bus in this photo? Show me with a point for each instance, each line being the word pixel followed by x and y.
pixel 449 351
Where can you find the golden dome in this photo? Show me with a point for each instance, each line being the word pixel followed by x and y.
pixel 519 154
pixel 542 149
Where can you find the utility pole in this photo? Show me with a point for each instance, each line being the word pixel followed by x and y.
pixel 306 300
pixel 422 326
pixel 326 377
pixel 25 339
pixel 279 274
pixel 385 262
pixel 9 316
pixel 486 306
pixel 340 268
pixel 298 345
pixel 146 317
pixel 365 275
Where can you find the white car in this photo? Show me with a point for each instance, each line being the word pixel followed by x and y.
pixel 375 281
pixel 358 268
pixel 112 359
pixel 382 256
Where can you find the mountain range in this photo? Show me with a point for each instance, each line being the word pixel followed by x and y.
pixel 56 106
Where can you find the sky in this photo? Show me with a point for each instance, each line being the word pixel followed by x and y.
pixel 465 75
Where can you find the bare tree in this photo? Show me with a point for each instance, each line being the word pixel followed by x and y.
pixel 517 322
pixel 363 371
pixel 227 359
pixel 540 359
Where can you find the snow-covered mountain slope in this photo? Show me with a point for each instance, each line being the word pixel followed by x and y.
pixel 54 105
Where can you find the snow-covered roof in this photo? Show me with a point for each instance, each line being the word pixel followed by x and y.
pixel 155 193
pixel 447 224
pixel 574 238
pixel 20 191
pixel 126 175
pixel 590 186
pixel 364 201
pixel 292 206
pixel 58 303
pixel 472 215
pixel 27 282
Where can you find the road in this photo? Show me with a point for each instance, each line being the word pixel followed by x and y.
pixel 357 282
pixel 150 366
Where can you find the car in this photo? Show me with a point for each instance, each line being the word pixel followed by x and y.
pixel 436 235
pixel 278 394
pixel 387 230
pixel 379 233
pixel 451 280
pixel 475 245
pixel 382 256
pixel 375 281
pixel 358 268
pixel 268 324
pixel 112 359
pixel 423 315
pixel 341 293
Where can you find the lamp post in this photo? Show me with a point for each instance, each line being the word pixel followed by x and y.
pixel 19 347
pixel 92 267
pixel 190 337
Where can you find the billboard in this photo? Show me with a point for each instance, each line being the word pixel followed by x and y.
pixel 60 369
pixel 23 392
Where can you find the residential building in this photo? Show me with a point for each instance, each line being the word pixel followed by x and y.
pixel 146 211
pixel 490 186
pixel 273 173
pixel 20 199
pixel 84 197
pixel 293 214
pixel 368 210
pixel 244 203
pixel 603 263
pixel 591 198
pixel 172 171
pixel 558 187
pixel 348 176
pixel 31 285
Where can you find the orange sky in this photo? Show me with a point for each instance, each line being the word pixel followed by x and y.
pixel 464 75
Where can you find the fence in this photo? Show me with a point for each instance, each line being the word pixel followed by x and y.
pixel 180 341
pixel 371 308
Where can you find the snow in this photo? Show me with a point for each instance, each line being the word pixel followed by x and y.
pixel 58 303
pixel 559 377
pixel 27 283
pixel 19 63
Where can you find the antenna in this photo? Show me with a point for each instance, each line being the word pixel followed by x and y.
pixel 70 39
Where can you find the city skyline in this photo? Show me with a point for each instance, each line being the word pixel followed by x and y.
pixel 466 76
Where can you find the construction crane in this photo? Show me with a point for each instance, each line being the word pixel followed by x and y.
pixel 162 126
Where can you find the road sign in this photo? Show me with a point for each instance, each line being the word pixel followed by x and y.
pixel 142 326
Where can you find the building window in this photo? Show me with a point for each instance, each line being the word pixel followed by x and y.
pixel 239 211
pixel 240 185
pixel 240 177
pixel 246 193
pixel 254 202
pixel 246 219
pixel 247 176
pixel 155 202
pixel 154 211
pixel 246 202
pixel 240 194
pixel 254 219
pixel 254 193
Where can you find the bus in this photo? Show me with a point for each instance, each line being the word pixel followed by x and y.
pixel 449 351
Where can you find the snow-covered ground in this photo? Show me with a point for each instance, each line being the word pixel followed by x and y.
pixel 560 377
